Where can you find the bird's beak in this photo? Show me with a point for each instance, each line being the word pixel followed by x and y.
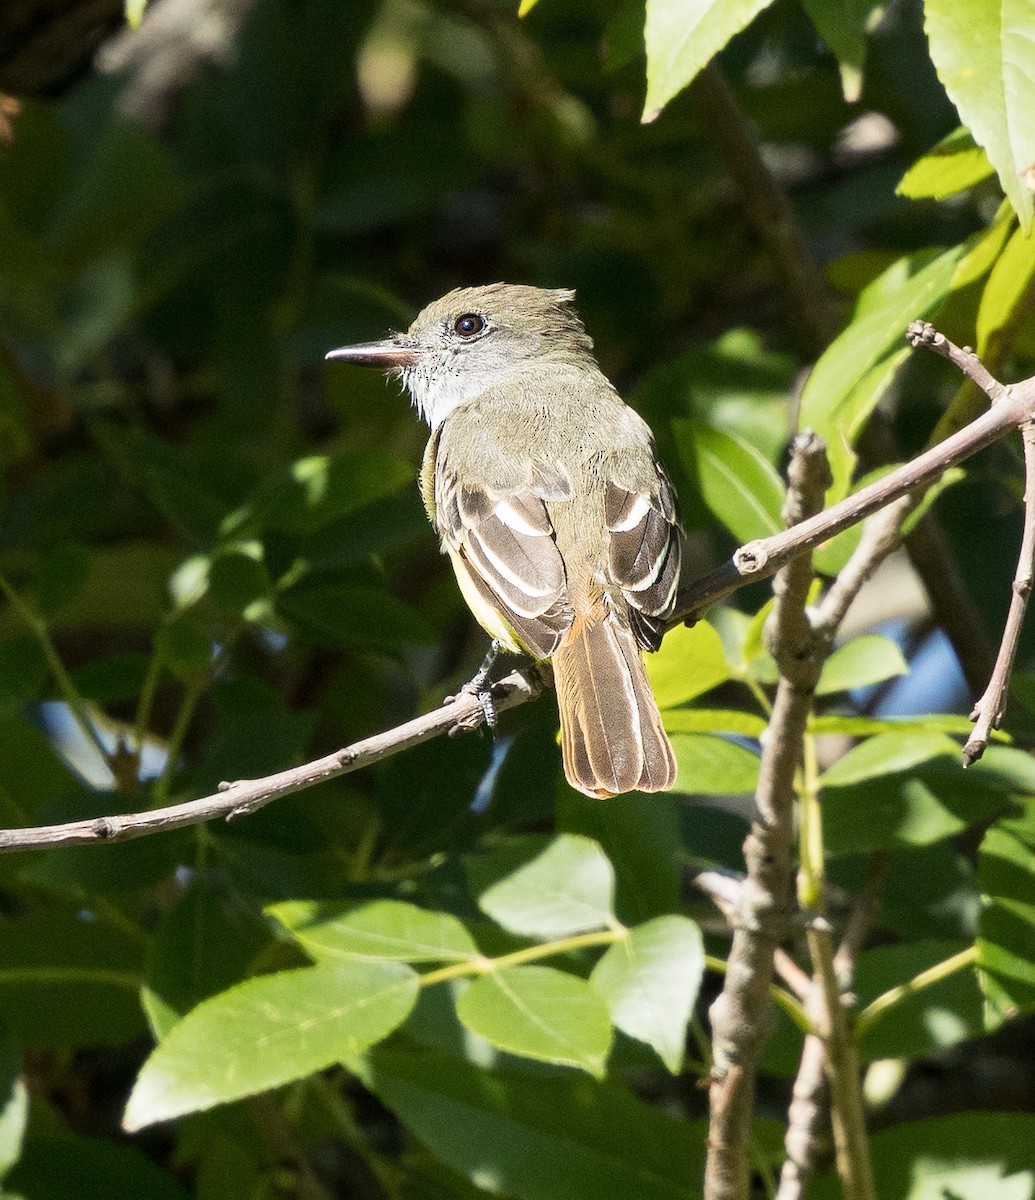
pixel 392 354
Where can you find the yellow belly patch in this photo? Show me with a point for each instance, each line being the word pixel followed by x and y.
pixel 489 618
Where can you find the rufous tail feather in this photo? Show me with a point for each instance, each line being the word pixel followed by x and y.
pixel 612 738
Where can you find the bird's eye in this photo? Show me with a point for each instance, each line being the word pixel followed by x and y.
pixel 469 324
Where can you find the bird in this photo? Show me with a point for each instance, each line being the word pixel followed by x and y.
pixel 560 522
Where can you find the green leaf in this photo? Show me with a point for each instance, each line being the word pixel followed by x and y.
pixel 714 720
pixel 64 1167
pixel 113 678
pixel 739 486
pixel 317 491
pixel 682 36
pixel 911 288
pixel 538 1138
pixel 201 946
pixel 986 62
pixel 650 980
pixel 58 961
pixel 968 1156
pixel 14 1102
pixel 639 833
pixel 936 800
pixel 23 670
pixel 1007 288
pixel 1006 947
pixel 567 889
pixel 691 661
pixel 379 931
pixel 887 754
pixel 540 1013
pixel 955 164
pixel 713 766
pixel 61 578
pixel 358 618
pixel 238 579
pixel 861 662
pixel 266 1032
pixel 849 726
pixel 184 647
pixel 843 26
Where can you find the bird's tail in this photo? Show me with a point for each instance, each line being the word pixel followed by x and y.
pixel 612 738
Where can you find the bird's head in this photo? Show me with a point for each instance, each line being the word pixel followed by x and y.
pixel 472 339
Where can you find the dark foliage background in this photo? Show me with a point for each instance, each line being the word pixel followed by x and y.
pixel 214 555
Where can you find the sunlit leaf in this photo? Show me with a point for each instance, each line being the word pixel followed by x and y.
pixel 910 289
pixel 952 166
pixel 1007 288
pixel 861 662
pixel 714 720
pixel 541 1013
pixel 887 754
pixel 739 486
pixel 649 981
pixel 691 661
pixel 267 1031
pixel 1006 947
pixel 714 766
pixel 682 36
pixel 975 42
pixel 567 889
pixel 14 1102
pixel 380 930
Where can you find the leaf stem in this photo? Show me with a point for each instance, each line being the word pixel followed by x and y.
pixel 886 1001
pixel 481 965
pixel 69 692
pixel 163 784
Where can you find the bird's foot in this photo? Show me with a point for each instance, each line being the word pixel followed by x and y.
pixel 480 686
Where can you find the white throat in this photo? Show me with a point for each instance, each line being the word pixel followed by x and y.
pixel 439 387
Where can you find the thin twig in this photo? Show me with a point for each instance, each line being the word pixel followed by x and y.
pixel 988 712
pixel 766 205
pixel 741 1016
pixel 876 1009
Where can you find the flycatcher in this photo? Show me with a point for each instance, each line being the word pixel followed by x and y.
pixel 548 496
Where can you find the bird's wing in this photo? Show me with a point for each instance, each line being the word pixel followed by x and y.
pixel 644 553
pixel 502 532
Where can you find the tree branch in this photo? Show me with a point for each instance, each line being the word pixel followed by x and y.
pixel 741 1016
pixel 1014 407
pixel 1015 404
pixel 247 795
pixel 989 711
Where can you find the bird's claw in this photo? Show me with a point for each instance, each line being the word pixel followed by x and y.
pixel 480 686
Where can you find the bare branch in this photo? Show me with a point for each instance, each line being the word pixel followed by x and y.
pixel 1015 405
pixel 808 1115
pixel 989 710
pixel 741 1017
pixel 757 560
pixel 247 795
